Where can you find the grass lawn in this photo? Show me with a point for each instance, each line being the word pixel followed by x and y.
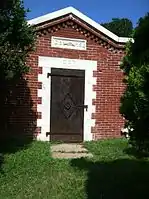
pixel 111 174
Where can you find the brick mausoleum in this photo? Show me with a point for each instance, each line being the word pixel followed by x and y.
pixel 75 80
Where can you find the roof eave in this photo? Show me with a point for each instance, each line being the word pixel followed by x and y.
pixel 71 10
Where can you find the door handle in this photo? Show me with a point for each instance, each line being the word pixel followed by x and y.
pixel 83 106
pixel 86 107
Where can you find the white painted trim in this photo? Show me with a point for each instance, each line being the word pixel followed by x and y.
pixel 51 62
pixel 125 39
pixel 71 10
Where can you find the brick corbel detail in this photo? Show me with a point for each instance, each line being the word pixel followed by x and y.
pixel 82 28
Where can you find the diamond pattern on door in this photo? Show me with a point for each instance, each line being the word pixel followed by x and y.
pixel 68 106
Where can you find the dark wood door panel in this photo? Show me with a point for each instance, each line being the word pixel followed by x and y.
pixel 67 138
pixel 67 98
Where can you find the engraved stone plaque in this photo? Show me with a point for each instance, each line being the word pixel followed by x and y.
pixel 69 43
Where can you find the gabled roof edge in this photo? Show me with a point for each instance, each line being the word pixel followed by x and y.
pixel 71 10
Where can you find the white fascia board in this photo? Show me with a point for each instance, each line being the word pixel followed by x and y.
pixel 50 16
pixel 71 10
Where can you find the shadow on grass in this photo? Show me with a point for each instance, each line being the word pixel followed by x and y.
pixel 136 153
pixel 18 117
pixel 119 179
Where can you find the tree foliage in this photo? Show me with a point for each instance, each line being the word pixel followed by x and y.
pixel 135 101
pixel 121 27
pixel 16 38
pixel 16 42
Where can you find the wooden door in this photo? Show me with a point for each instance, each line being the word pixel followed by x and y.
pixel 67 105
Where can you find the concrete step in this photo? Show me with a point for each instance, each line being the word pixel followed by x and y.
pixel 69 148
pixel 61 155
pixel 66 151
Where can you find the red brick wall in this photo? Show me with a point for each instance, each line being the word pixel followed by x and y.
pixel 109 86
